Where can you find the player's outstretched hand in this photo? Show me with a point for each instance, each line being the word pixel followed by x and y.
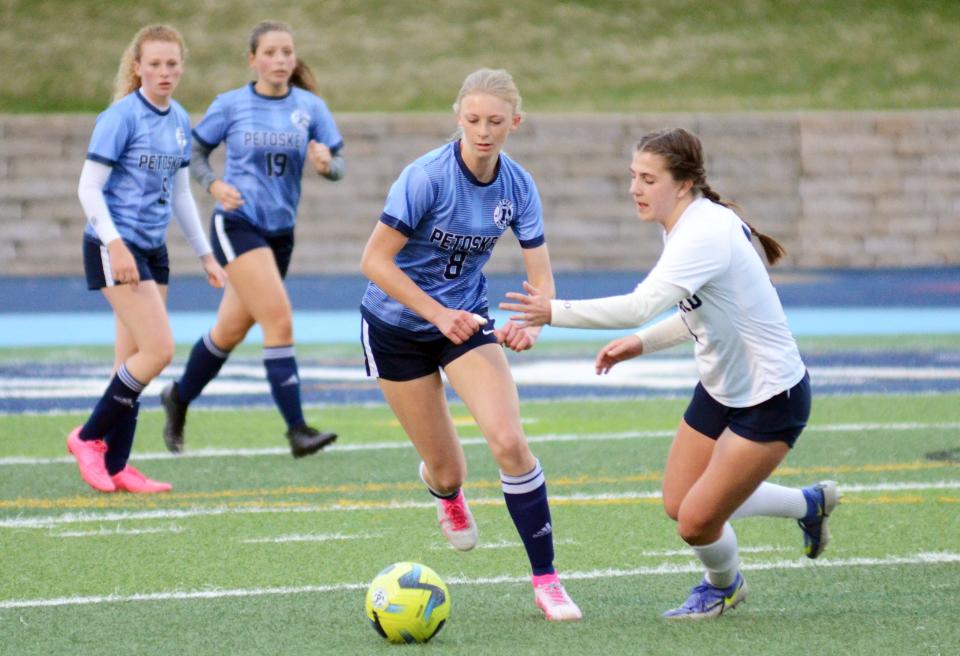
pixel 616 351
pixel 532 308
pixel 517 338
pixel 216 276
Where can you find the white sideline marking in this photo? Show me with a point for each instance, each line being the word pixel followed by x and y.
pixel 500 544
pixel 686 552
pixel 312 537
pixel 664 568
pixel 50 521
pixel 469 441
pixel 102 532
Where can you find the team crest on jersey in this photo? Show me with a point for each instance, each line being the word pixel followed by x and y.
pixel 300 119
pixel 503 213
pixel 181 139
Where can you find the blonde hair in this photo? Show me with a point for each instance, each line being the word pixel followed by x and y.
pixel 302 76
pixel 495 81
pixel 127 80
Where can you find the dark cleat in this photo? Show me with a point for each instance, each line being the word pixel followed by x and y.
pixel 176 418
pixel 306 440
pixel 821 498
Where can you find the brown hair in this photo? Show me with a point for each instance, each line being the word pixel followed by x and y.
pixel 684 157
pixel 302 76
pixel 127 80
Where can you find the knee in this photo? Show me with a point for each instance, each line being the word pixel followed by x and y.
pixel 671 508
pixel 695 530
pixel 511 452
pixel 158 356
pixel 164 354
pixel 279 329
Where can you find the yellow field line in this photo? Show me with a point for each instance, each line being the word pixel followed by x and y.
pixel 258 494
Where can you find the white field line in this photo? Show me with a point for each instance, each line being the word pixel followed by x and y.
pixel 311 537
pixel 105 532
pixel 49 521
pixel 664 568
pixel 504 544
pixel 472 441
pixel 663 374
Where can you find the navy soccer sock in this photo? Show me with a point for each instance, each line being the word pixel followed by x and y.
pixel 206 359
pixel 118 401
pixel 526 498
pixel 120 441
pixel 284 380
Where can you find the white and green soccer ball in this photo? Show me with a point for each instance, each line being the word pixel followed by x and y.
pixel 407 602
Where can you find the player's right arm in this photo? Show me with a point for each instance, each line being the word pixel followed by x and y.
pixel 661 335
pixel 223 192
pixel 378 263
pixel 93 178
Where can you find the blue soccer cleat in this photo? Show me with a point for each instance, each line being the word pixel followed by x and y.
pixel 821 498
pixel 707 601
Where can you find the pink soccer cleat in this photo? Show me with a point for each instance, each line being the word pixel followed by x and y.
pixel 456 522
pixel 129 479
pixel 553 600
pixel 89 455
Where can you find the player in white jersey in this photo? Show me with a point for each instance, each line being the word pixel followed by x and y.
pixel 271 128
pixel 135 176
pixel 425 309
pixel 753 399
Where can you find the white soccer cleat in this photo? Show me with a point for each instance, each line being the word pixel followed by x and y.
pixel 553 600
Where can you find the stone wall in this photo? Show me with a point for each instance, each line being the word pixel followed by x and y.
pixel 862 189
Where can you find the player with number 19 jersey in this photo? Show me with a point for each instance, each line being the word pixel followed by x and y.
pixel 452 222
pixel 267 141
pixel 145 147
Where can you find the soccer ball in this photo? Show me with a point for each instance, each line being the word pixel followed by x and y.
pixel 407 602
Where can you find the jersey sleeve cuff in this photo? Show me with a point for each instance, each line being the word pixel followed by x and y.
pixel 206 144
pixel 99 159
pixel 396 224
pixel 533 243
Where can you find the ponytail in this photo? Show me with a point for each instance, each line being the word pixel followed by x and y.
pixel 772 249
pixel 303 77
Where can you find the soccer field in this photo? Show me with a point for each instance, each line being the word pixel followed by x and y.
pixel 255 553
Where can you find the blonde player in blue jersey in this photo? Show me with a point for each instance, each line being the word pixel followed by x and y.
pixel 271 127
pixel 135 176
pixel 426 309
pixel 753 399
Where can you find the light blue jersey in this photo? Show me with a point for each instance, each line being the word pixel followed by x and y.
pixel 267 141
pixel 452 222
pixel 145 147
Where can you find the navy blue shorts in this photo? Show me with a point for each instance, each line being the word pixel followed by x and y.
pixel 778 419
pixel 231 237
pixel 153 264
pixel 396 354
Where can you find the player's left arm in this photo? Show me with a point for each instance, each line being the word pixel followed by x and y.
pixel 185 211
pixel 325 148
pixel 540 278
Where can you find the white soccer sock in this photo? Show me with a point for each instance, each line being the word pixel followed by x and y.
pixel 721 559
pixel 772 500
